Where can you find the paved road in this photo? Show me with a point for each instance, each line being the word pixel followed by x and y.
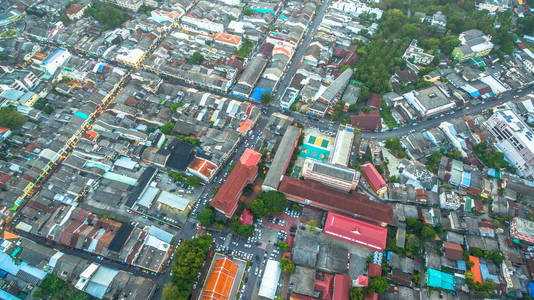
pixel 301 49
pixel 427 124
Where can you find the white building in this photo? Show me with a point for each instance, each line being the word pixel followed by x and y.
pixel 132 58
pixel 269 282
pixel 56 60
pixel 429 101
pixel 196 25
pixel 514 138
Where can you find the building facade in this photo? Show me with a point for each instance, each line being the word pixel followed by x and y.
pixel 514 138
pixel 338 177
pixel 522 229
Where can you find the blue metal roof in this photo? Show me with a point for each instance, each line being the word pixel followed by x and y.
pixel 7 296
pixel 12 95
pixel 466 179
pixel 258 91
pixel 160 234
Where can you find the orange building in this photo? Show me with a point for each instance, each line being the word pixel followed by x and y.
pixel 220 280
pixel 228 39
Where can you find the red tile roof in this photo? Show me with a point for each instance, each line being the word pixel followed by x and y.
pixel 315 194
pixel 74 9
pixel 367 121
pixel 355 231
pixel 5 177
pixel 374 270
pixel 325 285
pixel 453 251
pixel 295 296
pixel 244 172
pixel 3 129
pixel 246 217
pixel 342 285
pixel 374 100
pixel 375 180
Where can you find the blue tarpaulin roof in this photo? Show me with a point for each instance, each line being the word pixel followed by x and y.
pixel 440 279
pixel 486 274
pixel 466 179
pixel 258 91
pixel 531 288
pixel 81 115
pixel 461 265
pixel 7 296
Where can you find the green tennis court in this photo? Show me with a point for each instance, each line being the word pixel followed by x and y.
pixel 314 152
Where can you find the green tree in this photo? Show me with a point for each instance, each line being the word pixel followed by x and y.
pixel 427 232
pixel 454 154
pixel 54 288
pixel 491 158
pixel 364 94
pixel 353 107
pixel 287 266
pixel 11 118
pixel 267 203
pixel 266 98
pixel 248 12
pixel 378 285
pixel 248 189
pixel 357 293
pixel 206 216
pixel 177 176
pixel 283 246
pixel 189 258
pixel 174 107
pixel 192 181
pixel 167 127
pixel 48 109
pixel 171 292
pixel 477 252
pixel 109 15
pixel 367 109
pixel 241 229
pixel 448 44
pixel 432 162
pixel 395 147
pixel 196 58
pixel 145 10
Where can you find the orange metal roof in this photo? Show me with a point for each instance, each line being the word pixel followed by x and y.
pixel 10 236
pixel 475 269
pixel 244 126
pixel 221 279
pixel 227 38
pixel 203 166
pixel 280 49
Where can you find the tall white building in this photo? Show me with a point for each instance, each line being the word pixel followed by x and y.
pixel 514 138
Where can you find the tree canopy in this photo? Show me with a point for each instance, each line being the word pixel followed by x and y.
pixel 287 266
pixel 266 98
pixel 189 258
pixel 109 15
pixel 54 288
pixel 206 216
pixel 11 118
pixel 197 58
pixel 492 159
pixel 267 203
